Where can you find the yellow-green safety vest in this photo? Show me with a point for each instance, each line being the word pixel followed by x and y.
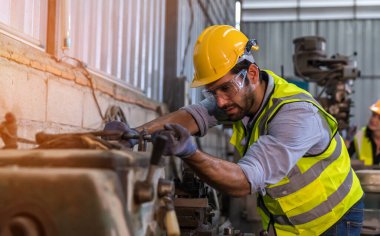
pixel 363 147
pixel 319 189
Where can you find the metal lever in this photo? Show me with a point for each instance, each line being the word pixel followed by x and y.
pixel 144 189
pixel 165 190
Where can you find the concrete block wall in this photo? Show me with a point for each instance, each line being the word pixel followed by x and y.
pixel 55 96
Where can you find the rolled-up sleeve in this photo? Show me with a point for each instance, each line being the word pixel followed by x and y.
pixel 206 114
pixel 297 129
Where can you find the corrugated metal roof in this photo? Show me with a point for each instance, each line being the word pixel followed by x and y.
pixel 294 10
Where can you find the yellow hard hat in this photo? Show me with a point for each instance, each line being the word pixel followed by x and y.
pixel 217 51
pixel 375 107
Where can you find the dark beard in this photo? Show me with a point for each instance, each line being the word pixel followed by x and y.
pixel 249 100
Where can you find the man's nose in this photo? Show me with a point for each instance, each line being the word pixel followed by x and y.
pixel 221 101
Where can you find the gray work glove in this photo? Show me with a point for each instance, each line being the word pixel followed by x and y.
pixel 179 141
pixel 120 126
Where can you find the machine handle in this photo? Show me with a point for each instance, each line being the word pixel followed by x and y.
pixel 158 148
pixel 171 223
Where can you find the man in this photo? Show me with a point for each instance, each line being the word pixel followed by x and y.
pixel 292 155
pixel 366 143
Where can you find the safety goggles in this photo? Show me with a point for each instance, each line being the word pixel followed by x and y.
pixel 228 89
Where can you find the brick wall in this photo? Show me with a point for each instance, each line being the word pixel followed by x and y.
pixel 55 96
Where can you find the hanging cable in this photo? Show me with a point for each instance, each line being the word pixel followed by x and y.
pixel 87 74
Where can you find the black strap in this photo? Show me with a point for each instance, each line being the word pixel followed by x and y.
pixel 261 204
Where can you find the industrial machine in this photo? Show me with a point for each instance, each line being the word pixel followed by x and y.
pixel 81 184
pixel 85 192
pixel 370 181
pixel 334 74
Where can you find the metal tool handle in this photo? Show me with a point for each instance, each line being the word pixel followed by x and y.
pixel 144 189
pixel 158 149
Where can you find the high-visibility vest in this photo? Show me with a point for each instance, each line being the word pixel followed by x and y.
pixel 319 189
pixel 363 147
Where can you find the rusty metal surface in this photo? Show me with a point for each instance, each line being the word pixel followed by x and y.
pixel 73 158
pixel 76 192
pixel 191 202
pixel 63 201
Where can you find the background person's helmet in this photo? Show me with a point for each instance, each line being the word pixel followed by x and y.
pixel 217 51
pixel 375 107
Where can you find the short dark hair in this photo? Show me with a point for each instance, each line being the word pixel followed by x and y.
pixel 243 65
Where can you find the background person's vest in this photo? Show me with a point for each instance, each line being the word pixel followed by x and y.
pixel 363 147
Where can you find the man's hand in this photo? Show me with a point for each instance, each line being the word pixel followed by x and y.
pixel 179 141
pixel 120 126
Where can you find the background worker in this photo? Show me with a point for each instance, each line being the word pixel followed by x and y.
pixel 292 155
pixel 366 143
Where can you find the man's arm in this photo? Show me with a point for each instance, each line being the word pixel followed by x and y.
pixel 197 118
pixel 225 176
pixel 222 175
pixel 181 117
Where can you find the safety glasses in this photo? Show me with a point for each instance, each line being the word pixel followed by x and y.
pixel 228 89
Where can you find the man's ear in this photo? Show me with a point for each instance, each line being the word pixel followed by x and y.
pixel 253 74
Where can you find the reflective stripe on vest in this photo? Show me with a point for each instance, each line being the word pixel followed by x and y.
pixel 276 102
pixel 321 209
pixel 299 180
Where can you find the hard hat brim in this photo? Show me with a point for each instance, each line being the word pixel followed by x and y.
pixel 198 83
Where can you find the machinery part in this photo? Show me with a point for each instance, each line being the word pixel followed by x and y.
pixel 370 182
pixel 57 202
pixel 142 141
pixel 190 186
pixel 217 51
pixel 80 141
pixel 22 225
pixel 76 140
pixel 76 192
pixel 143 191
pixel 8 131
pixel 115 113
pixel 228 231
pixel 312 64
pixel 165 188
pixel 197 211
pixel 171 221
pixel 335 74
pixel 306 49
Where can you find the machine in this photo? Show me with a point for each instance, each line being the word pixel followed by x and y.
pixel 81 184
pixel 334 74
